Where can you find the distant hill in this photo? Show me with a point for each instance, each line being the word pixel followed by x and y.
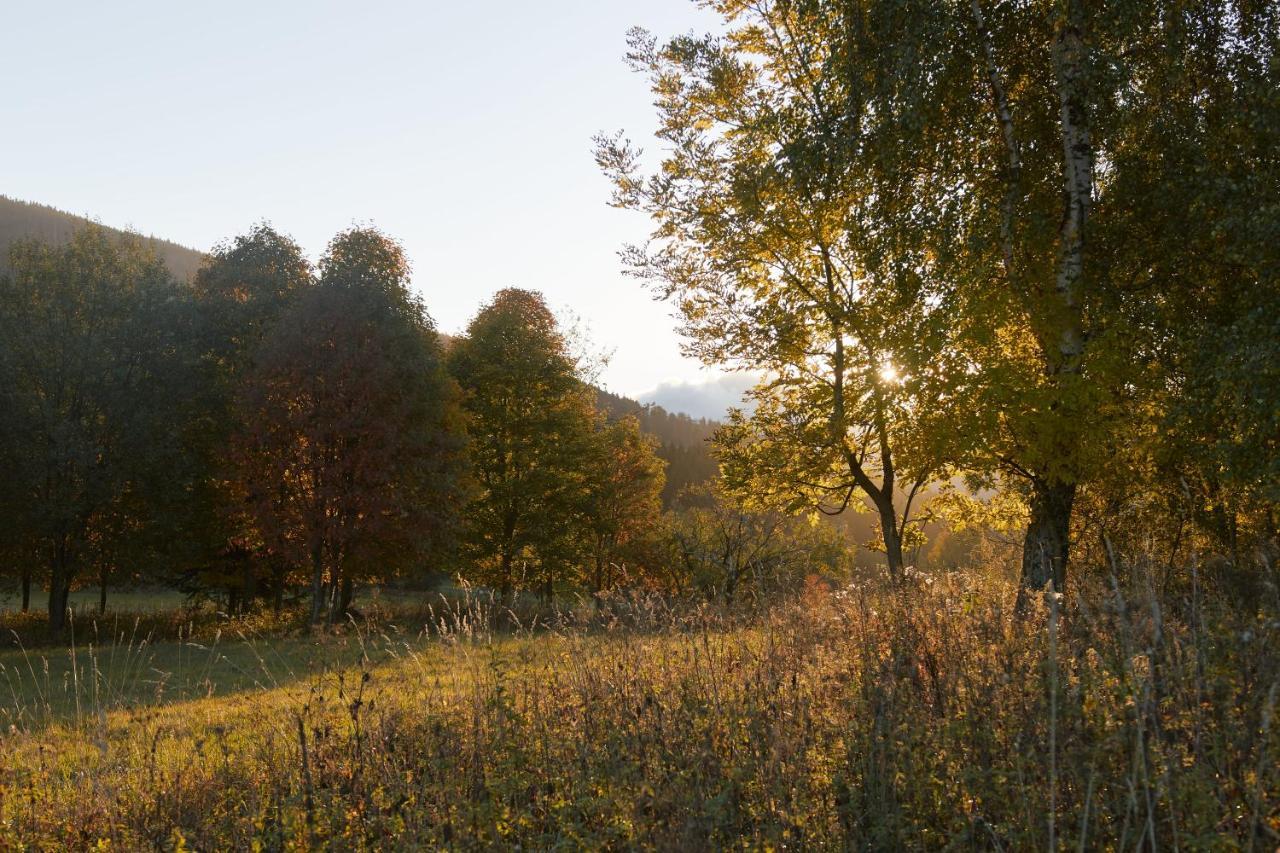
pixel 674 428
pixel 684 442
pixel 23 220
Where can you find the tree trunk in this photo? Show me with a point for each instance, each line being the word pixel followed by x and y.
pixel 317 582
pixel 892 537
pixel 26 588
pixel 504 581
pixel 102 592
pixel 342 604
pixel 330 599
pixel 1047 545
pixel 508 552
pixel 59 586
pixel 248 586
pixel 278 592
pixel 59 593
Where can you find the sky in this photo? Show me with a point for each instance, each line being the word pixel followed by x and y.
pixel 462 129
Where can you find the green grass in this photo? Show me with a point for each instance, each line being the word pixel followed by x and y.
pixel 45 685
pixel 85 601
pixel 147 600
pixel 114 661
pixel 873 718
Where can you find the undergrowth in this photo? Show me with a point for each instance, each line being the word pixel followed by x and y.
pixel 870 717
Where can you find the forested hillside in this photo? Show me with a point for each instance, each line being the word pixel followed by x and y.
pixel 684 442
pixel 24 220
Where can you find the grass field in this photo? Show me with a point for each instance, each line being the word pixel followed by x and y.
pixel 867 718
pixel 85 601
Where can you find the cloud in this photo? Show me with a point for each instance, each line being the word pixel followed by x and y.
pixel 710 398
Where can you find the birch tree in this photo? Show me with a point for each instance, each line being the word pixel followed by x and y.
pixel 982 181
pixel 784 260
pixel 1063 145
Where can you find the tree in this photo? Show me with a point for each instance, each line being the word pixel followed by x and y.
pixel 350 446
pixel 784 260
pixel 89 332
pixel 623 499
pixel 243 287
pixel 1194 234
pixel 14 541
pixel 1059 147
pixel 1020 188
pixel 241 292
pixel 530 420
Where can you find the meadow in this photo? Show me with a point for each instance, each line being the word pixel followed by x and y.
pixel 867 717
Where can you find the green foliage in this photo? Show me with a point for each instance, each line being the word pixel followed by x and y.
pixel 530 420
pixel 90 331
pixel 1040 220
pixel 772 238
pixel 621 503
pixel 243 288
pixel 722 545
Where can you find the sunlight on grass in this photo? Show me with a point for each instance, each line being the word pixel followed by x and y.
pixel 880 717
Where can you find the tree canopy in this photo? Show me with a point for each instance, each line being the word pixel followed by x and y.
pixel 958 238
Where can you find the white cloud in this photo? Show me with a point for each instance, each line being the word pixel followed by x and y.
pixel 710 398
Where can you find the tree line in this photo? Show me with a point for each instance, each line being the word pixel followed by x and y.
pixel 1030 248
pixel 276 432
pixel 1011 263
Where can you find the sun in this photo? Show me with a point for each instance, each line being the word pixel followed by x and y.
pixel 888 373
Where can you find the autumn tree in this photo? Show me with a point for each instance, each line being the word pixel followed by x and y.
pixel 784 260
pixel 243 287
pixel 241 292
pixel 1021 190
pixel 89 330
pixel 530 421
pixel 350 446
pixel 622 503
pixel 1082 163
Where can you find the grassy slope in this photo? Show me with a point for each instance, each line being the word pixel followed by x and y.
pixel 916 719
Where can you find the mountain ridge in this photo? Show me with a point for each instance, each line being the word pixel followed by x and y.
pixel 23 220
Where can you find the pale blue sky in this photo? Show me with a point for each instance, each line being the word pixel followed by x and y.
pixel 463 129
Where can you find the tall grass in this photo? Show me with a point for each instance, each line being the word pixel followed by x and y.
pixel 929 717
